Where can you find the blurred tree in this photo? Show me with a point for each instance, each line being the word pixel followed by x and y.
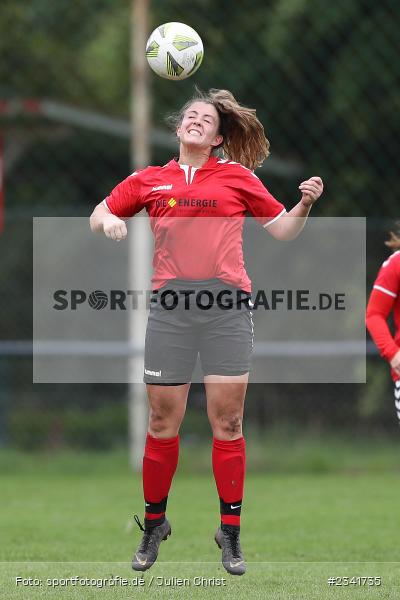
pixel 322 77
pixel 40 47
pixel 331 71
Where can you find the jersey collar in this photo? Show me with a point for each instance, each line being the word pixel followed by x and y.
pixel 211 162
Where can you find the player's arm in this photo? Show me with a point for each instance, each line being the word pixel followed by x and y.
pixel 103 221
pixel 379 307
pixel 289 225
pixel 124 201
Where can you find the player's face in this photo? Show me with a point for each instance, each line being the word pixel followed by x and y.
pixel 199 126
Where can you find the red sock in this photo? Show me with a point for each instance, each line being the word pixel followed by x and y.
pixel 229 465
pixel 159 465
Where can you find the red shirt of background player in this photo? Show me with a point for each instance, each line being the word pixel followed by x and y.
pixel 385 299
pixel 174 196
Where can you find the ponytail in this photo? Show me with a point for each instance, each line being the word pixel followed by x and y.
pixel 394 240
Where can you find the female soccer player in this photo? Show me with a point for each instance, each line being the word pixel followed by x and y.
pixel 385 299
pixel 196 257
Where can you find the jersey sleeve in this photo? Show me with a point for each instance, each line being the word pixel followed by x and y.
pixel 380 305
pixel 258 200
pixel 125 200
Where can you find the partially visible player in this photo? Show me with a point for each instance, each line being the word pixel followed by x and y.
pixel 384 300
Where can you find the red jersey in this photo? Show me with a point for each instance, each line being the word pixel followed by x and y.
pixel 384 299
pixel 220 192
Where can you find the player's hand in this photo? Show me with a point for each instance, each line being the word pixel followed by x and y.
pixel 311 189
pixel 395 363
pixel 114 228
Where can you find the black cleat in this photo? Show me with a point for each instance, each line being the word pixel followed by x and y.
pixel 147 552
pixel 227 538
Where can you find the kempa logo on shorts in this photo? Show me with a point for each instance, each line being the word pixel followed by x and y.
pixel 162 187
pixel 153 373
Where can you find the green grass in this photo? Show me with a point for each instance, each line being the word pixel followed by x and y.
pixel 69 514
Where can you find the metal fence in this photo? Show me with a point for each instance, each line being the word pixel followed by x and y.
pixel 324 80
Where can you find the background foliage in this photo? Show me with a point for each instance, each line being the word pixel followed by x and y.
pixel 325 82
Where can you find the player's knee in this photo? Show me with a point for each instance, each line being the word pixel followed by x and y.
pixel 161 421
pixel 229 425
pixel 158 421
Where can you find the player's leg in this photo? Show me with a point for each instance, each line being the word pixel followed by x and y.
pixel 225 404
pixel 225 352
pixel 170 356
pixel 167 405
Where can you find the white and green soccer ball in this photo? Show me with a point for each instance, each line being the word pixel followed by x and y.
pixel 174 51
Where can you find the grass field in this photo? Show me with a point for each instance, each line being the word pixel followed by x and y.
pixel 66 515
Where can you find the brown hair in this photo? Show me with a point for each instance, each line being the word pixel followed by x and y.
pixel 244 139
pixel 394 240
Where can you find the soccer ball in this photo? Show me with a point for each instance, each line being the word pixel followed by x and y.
pixel 174 51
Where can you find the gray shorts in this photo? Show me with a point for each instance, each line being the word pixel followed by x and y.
pixel 187 319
